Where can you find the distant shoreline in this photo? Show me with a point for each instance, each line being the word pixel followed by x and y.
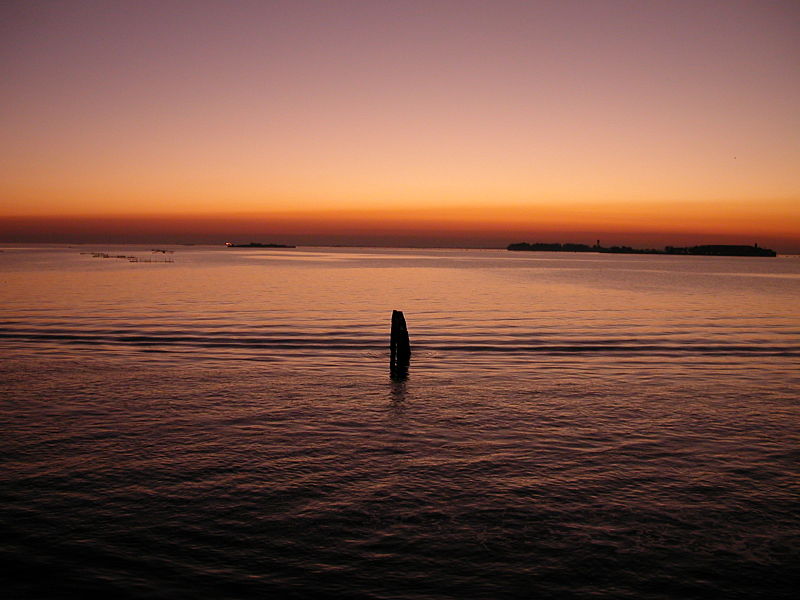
pixel 257 245
pixel 703 250
pixel 668 251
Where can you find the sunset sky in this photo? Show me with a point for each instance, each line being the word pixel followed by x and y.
pixel 412 123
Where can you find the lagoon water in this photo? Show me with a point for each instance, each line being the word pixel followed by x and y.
pixel 224 425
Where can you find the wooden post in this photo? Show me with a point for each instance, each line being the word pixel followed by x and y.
pixel 399 346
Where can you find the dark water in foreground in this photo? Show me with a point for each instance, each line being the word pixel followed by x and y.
pixel 224 426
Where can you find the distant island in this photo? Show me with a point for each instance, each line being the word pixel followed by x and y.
pixel 705 250
pixel 256 245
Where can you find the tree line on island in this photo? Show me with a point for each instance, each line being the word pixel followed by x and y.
pixel 704 250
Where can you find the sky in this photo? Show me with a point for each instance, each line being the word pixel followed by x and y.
pixel 433 123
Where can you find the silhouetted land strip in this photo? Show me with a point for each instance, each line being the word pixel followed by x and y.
pixel 257 245
pixel 705 250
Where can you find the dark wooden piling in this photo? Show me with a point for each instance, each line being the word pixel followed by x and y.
pixel 399 346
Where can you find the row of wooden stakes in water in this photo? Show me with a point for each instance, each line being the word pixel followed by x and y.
pixel 135 259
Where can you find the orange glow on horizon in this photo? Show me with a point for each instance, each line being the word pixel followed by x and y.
pixel 649 225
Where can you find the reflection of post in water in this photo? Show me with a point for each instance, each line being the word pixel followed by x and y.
pixel 398 391
pixel 399 346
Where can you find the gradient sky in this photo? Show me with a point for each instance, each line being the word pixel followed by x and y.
pixel 428 123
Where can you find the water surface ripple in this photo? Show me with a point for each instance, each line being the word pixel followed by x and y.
pixel 572 426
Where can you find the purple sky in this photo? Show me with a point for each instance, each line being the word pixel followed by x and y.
pixel 554 110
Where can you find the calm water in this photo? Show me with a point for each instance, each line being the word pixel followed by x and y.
pixel 224 426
